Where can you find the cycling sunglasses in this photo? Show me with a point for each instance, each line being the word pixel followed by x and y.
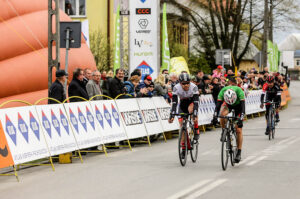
pixel 185 83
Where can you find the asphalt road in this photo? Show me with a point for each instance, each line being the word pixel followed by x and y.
pixel 269 169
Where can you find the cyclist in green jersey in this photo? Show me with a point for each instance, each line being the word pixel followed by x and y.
pixel 231 98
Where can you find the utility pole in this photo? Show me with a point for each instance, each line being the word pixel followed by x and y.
pixel 265 36
pixel 53 38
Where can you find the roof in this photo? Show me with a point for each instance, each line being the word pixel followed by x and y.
pixel 291 43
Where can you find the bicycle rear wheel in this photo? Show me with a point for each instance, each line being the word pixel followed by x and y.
pixel 194 146
pixel 182 146
pixel 224 150
pixel 233 147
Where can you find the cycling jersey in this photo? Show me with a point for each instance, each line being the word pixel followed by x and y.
pixel 186 98
pixel 272 94
pixel 239 92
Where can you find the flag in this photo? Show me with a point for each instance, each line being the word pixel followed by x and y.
pixel 117 58
pixel 165 42
pixel 273 56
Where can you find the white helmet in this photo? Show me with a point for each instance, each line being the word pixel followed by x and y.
pixel 230 96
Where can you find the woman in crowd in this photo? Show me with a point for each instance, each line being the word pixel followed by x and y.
pixel 216 88
pixel 160 86
pixel 131 84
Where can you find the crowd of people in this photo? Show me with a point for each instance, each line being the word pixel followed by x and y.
pixel 96 85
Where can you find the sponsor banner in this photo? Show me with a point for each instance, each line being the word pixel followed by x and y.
pixel 5 154
pixel 56 128
pixel 23 133
pixel 206 109
pixel 144 39
pixel 108 121
pixel 132 118
pixel 151 117
pixel 163 109
pixel 83 124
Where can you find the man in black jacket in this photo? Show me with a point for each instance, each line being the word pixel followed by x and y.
pixel 116 86
pixel 77 86
pixel 57 90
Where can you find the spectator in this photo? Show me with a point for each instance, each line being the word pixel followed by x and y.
pixel 103 75
pixel 165 72
pixel 160 86
pixel 104 83
pixel 199 77
pixel 116 85
pixel 77 86
pixel 136 72
pixel 216 88
pixel 131 84
pixel 87 75
pixel 93 86
pixel 206 88
pixel 142 90
pixel 57 90
pixel 150 89
pixel 218 72
pixel 173 80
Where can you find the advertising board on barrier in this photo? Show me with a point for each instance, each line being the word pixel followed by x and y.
pixel 206 109
pixel 56 128
pixel 23 133
pixel 144 41
pixel 83 124
pixel 150 115
pixel 132 118
pixel 163 109
pixel 108 121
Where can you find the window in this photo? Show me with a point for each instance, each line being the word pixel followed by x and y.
pixel 74 8
pixel 298 62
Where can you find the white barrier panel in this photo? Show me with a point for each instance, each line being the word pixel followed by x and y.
pixel 163 109
pixel 132 118
pixel 108 122
pixel 56 128
pixel 206 109
pixel 23 134
pixel 83 124
pixel 150 115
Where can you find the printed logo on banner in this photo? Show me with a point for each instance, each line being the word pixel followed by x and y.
pixel 141 43
pixel 132 118
pixel 55 123
pixel 107 115
pixel 99 117
pixel 143 23
pixel 143 11
pixel 46 124
pixel 115 114
pixel 164 113
pixel 11 129
pixel 64 121
pixel 23 128
pixel 150 115
pixel 34 125
pixel 145 69
pixel 143 1
pixel 73 120
pixel 4 151
pixel 90 117
pixel 82 119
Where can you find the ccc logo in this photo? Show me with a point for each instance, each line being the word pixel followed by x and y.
pixel 143 11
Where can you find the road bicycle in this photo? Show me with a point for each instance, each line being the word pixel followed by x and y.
pixel 229 141
pixel 271 121
pixel 186 142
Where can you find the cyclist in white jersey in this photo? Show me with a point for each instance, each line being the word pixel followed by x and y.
pixel 188 94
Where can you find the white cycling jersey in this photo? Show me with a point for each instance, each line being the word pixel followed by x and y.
pixel 182 94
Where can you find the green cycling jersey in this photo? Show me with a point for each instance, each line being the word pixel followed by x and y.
pixel 239 92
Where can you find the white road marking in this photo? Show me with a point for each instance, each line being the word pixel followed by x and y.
pixel 185 192
pixel 206 189
pixel 294 120
pixel 256 160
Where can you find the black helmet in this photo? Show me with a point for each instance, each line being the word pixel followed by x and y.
pixel 184 77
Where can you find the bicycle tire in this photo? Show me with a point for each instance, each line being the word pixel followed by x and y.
pixel 194 145
pixel 270 117
pixel 182 132
pixel 233 147
pixel 273 126
pixel 224 151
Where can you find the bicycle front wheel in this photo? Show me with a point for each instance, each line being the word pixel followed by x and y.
pixel 233 147
pixel 270 123
pixel 182 146
pixel 194 149
pixel 224 150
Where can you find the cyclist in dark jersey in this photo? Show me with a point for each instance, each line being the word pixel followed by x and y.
pixel 231 98
pixel 271 92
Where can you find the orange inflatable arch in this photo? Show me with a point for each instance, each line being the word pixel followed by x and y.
pixel 24 51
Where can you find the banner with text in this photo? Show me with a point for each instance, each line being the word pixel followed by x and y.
pixel 144 40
